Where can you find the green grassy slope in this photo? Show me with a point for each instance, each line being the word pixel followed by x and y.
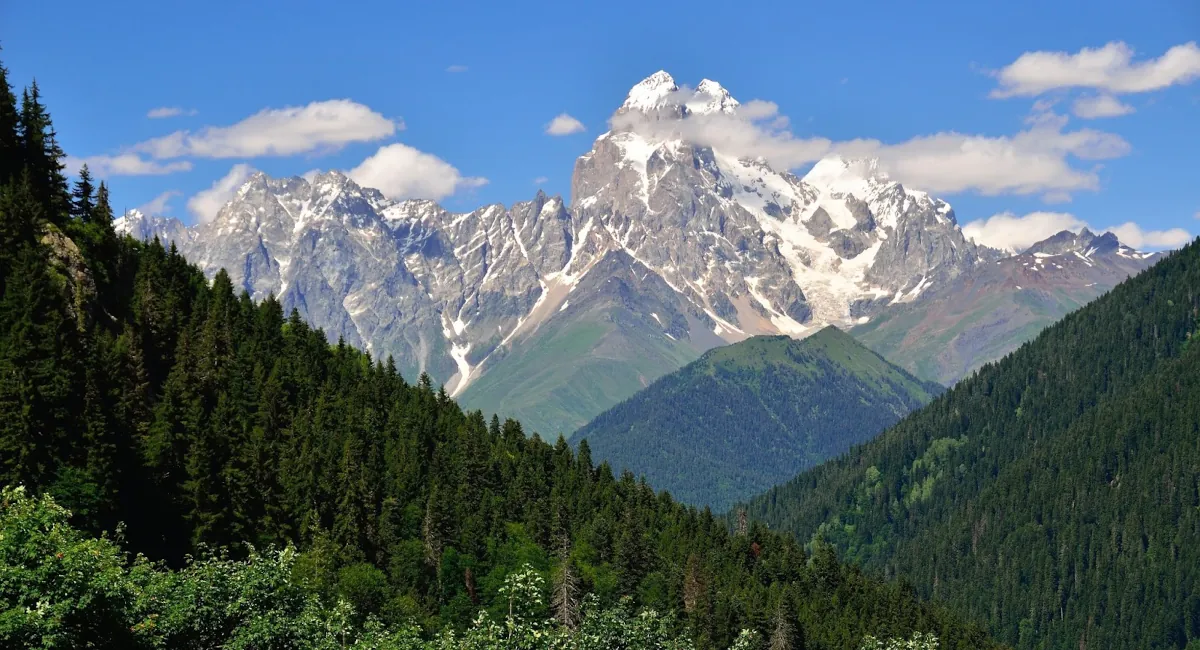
pixel 605 344
pixel 750 415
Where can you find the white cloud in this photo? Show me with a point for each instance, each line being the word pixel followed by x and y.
pixel 1100 106
pixel 326 125
pixel 564 124
pixel 1036 160
pixel 402 172
pixel 1132 234
pixel 125 164
pixel 456 68
pixel 205 204
pixel 159 204
pixel 1109 68
pixel 541 180
pixel 169 111
pixel 1008 231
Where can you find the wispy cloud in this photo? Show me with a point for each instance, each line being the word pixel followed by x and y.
pixel 125 164
pixel 402 172
pixel 541 180
pixel 169 111
pixel 564 124
pixel 326 125
pixel 1100 106
pixel 1109 68
pixel 1008 231
pixel 456 68
pixel 207 203
pixel 159 204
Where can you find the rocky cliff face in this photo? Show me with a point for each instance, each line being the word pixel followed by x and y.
pixel 741 247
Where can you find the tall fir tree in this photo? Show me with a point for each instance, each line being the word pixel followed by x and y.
pixel 43 156
pixel 11 158
pixel 83 196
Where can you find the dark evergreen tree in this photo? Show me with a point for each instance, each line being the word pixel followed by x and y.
pixel 11 152
pixel 43 156
pixel 83 196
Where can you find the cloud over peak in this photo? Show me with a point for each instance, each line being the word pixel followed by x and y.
pixel 1037 160
pixel 403 172
pixel 207 203
pixel 1011 232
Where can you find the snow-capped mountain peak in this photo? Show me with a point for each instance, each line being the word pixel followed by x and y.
pixel 659 93
pixel 855 176
pixel 652 93
pixel 711 97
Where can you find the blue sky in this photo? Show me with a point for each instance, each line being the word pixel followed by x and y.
pixel 919 82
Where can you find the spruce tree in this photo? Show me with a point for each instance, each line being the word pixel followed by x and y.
pixel 43 156
pixel 11 159
pixel 83 196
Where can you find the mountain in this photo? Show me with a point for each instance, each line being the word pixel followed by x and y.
pixel 1053 493
pixel 555 312
pixel 182 466
pixel 992 309
pixel 747 416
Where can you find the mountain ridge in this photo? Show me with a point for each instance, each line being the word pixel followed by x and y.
pixel 746 416
pixel 1035 491
pixel 745 248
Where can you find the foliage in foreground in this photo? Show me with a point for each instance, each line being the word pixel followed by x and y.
pixel 60 588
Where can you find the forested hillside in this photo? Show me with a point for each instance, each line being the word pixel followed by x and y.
pixel 750 415
pixel 1055 494
pixel 179 416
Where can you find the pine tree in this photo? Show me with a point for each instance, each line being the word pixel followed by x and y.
pixel 43 156
pixel 83 196
pixel 102 213
pixel 565 599
pixel 11 159
pixel 38 372
pixel 20 216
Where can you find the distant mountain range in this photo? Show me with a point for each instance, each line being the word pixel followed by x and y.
pixel 553 313
pixel 753 414
pixel 991 310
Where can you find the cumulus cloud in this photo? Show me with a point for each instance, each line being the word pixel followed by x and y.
pixel 326 125
pixel 159 204
pixel 206 203
pixel 1100 106
pixel 456 68
pixel 1036 160
pixel 1010 232
pixel 564 124
pixel 402 172
pixel 125 164
pixel 1109 68
pixel 169 111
